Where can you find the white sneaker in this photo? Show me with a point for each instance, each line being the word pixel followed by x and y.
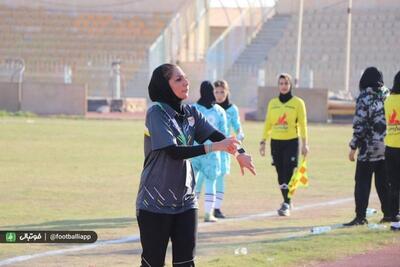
pixel 284 210
pixel 395 226
pixel 209 217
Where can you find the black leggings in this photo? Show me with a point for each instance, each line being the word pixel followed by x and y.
pixel 285 155
pixel 155 231
pixel 392 159
pixel 363 177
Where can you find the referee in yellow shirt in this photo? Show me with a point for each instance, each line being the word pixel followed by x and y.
pixel 392 151
pixel 286 121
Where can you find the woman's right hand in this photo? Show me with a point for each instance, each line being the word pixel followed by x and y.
pixel 228 145
pixel 262 149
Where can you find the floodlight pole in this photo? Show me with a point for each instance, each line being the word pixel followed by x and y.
pixel 348 47
pixel 299 40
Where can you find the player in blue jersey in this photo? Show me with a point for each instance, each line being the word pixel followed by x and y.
pixel 209 167
pixel 221 92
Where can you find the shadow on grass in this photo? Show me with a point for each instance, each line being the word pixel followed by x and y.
pixel 252 232
pixel 205 244
pixel 88 224
pixel 133 251
pixel 293 233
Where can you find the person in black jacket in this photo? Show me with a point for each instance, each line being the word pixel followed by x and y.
pixel 369 129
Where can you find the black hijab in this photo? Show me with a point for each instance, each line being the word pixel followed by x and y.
pixel 396 84
pixel 372 77
pixel 285 97
pixel 161 91
pixel 226 104
pixel 207 98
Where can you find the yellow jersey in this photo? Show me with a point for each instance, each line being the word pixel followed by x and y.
pixel 392 116
pixel 285 121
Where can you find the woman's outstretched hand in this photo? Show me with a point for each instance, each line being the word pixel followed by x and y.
pixel 245 162
pixel 228 145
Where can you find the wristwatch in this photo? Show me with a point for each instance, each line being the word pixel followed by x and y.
pixel 241 150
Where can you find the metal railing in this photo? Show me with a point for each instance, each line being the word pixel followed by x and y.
pixel 183 39
pixel 223 53
pixel 12 69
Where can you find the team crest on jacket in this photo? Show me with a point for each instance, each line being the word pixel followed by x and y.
pixel 191 121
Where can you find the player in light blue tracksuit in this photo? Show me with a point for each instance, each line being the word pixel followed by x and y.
pixel 221 92
pixel 209 167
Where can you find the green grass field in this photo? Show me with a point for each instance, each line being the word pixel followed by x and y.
pixel 75 174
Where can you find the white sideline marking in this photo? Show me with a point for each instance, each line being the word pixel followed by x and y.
pixel 136 238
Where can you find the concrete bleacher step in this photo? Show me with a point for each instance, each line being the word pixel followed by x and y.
pixel 89 43
pixel 324 42
pixel 243 74
pixel 267 37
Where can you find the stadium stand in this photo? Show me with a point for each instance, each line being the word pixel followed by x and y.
pixel 324 42
pixel 88 43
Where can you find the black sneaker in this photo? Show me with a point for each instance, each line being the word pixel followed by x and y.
pixel 356 221
pixel 218 214
pixel 386 220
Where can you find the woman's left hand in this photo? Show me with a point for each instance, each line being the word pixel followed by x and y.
pixel 304 150
pixel 245 161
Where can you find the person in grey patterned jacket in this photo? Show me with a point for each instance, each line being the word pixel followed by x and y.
pixel 369 130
